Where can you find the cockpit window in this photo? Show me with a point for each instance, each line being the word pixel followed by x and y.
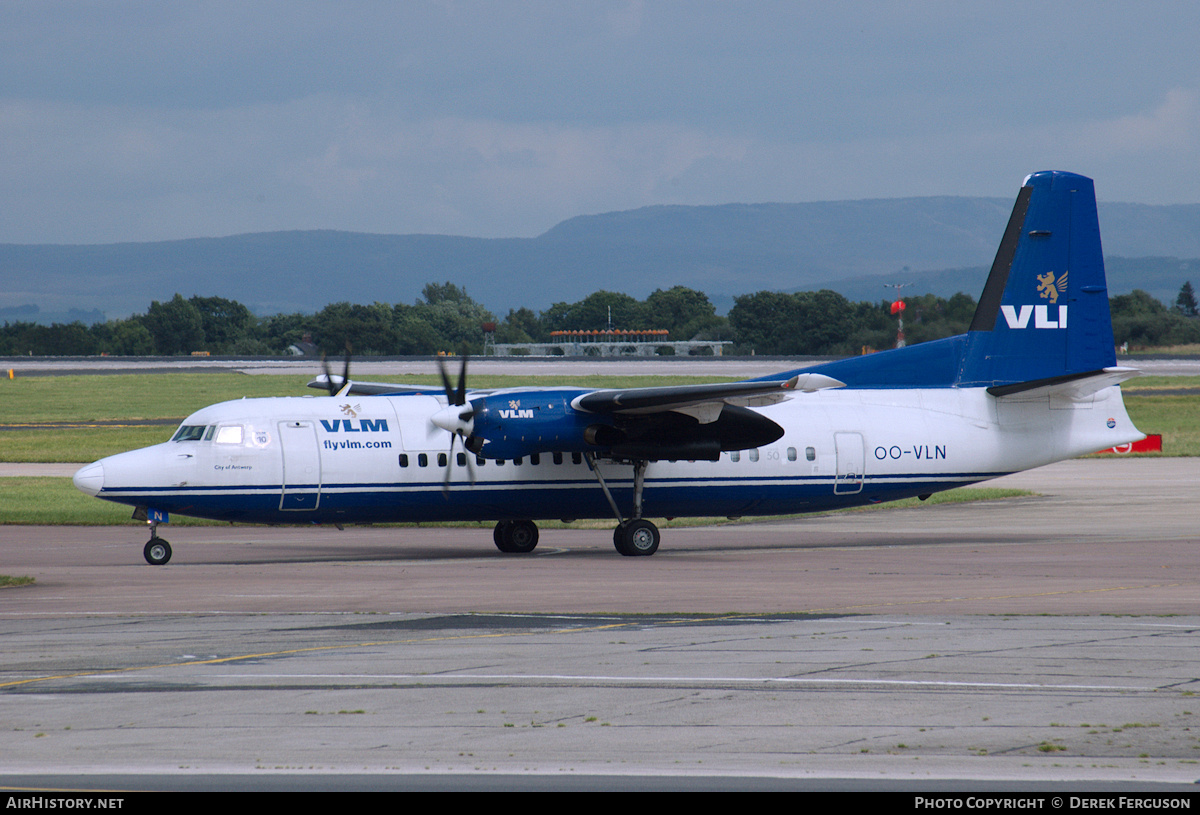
pixel 189 433
pixel 229 434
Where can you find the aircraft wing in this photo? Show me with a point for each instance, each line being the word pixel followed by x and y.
pixel 702 401
pixel 321 383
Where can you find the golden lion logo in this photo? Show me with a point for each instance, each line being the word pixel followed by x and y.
pixel 1049 288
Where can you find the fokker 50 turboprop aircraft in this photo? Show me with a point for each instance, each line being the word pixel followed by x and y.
pixel 1033 381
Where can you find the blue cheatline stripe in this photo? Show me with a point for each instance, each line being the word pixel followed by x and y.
pixel 682 481
pixel 399 502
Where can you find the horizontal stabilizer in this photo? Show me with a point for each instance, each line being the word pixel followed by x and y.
pixel 1072 387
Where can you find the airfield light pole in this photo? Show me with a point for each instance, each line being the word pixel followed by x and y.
pixel 898 310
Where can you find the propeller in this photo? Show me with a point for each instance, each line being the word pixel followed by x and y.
pixel 344 387
pixel 457 418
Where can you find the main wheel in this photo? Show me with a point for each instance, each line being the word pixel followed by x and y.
pixel 515 537
pixel 638 538
pixel 157 552
pixel 500 535
pixel 522 537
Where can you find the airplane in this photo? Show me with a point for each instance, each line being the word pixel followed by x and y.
pixel 1024 387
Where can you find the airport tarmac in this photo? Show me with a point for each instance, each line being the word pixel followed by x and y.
pixel 1043 638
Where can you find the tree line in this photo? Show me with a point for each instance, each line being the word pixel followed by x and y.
pixel 446 319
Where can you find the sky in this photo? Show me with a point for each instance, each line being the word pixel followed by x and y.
pixel 142 121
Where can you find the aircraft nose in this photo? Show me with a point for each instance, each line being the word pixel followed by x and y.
pixel 89 479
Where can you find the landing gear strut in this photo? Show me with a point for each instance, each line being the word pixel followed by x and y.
pixel 515 537
pixel 157 551
pixel 636 537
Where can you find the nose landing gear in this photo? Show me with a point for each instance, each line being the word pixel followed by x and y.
pixel 157 551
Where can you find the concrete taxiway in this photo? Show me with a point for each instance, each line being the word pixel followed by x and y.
pixel 1046 637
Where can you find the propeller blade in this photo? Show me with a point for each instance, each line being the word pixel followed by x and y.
pixel 341 388
pixel 450 463
pixel 346 371
pixel 449 468
pixel 329 386
pixel 460 398
pixel 445 381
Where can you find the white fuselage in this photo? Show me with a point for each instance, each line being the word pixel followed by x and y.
pixel 362 459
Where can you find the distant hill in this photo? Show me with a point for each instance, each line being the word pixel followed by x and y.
pixel 1159 276
pixel 943 243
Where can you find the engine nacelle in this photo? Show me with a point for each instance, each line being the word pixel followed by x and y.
pixel 514 424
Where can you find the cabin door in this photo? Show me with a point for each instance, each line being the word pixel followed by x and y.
pixel 851 461
pixel 301 466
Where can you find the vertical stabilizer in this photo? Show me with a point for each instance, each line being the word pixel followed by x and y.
pixel 1044 310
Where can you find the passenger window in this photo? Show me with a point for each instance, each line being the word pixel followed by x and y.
pixel 462 459
pixel 517 462
pixel 754 455
pixel 791 454
pixel 810 453
pixel 404 459
pixel 577 458
pixel 422 460
pixel 558 458
pixel 535 459
pixel 735 456
pixel 480 460
pixel 441 459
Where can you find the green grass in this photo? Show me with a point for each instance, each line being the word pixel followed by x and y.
pixel 56 502
pixel 77 444
pixel 1152 383
pixel 8 581
pixel 133 397
pixel 1177 418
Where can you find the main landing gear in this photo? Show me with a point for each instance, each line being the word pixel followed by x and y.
pixel 515 537
pixel 635 537
pixel 157 551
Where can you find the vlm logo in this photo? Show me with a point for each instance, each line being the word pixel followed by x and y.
pixel 515 411
pixel 1049 287
pixel 364 425
pixel 1040 314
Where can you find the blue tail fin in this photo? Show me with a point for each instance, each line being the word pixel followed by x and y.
pixel 1044 311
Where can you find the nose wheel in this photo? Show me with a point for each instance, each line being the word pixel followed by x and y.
pixel 157 551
